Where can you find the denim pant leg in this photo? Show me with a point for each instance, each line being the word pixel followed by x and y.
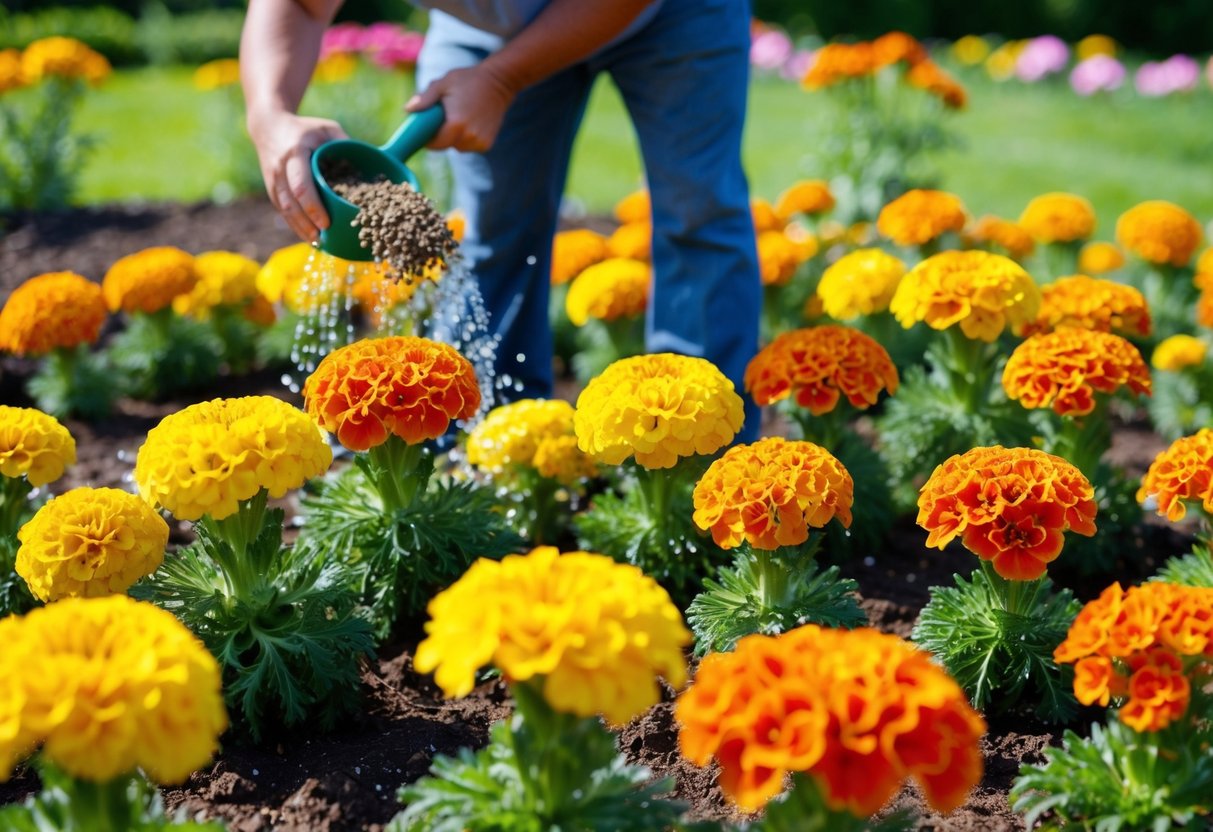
pixel 511 196
pixel 684 78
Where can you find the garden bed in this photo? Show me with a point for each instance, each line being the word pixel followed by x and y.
pixel 348 779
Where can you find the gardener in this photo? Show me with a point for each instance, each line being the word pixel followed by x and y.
pixel 514 77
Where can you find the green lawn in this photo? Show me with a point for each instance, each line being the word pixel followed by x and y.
pixel 162 139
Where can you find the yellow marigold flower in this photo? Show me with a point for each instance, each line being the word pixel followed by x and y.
pixel 510 434
pixel 60 57
pixel 34 445
pixel 149 280
pixel 559 458
pixel 1009 506
pixel 613 289
pixel 819 364
pixel 1005 234
pixel 210 456
pixel 860 711
pixel 808 196
pixel 334 68
pixel 1159 232
pixel 107 686
pixel 860 283
pixel 919 216
pixel 11 75
pixel 1138 645
pixel 633 241
pixel 403 385
pixel 1065 369
pixel 457 224
pixel 55 310
pixel 1093 45
pixel 575 251
pixel 634 208
pixel 1204 263
pixel 765 217
pixel 928 76
pixel 779 257
pixel 771 493
pixel 89 542
pixel 215 74
pixel 1058 218
pixel 980 291
pixel 225 278
pixel 1179 352
pixel 303 278
pixel 1098 258
pixel 1090 303
pixel 1000 65
pixel 594 635
pixel 657 408
pixel 1183 472
pixel 970 50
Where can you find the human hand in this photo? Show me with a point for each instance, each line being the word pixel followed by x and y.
pixel 285 143
pixel 474 100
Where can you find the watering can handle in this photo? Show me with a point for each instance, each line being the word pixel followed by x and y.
pixel 415 133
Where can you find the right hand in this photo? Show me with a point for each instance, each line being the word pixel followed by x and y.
pixel 285 143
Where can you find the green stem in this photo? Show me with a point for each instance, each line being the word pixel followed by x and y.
pixel 14 499
pixel 1083 441
pixel 99 807
pixel 772 578
pixel 542 495
pixel 655 486
pixel 400 475
pixel 971 370
pixel 825 430
pixel 239 530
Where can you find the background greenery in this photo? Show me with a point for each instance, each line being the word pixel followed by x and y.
pixel 159 138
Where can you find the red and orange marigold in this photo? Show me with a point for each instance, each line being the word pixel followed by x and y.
pixel 919 216
pixel 819 365
pixel 403 385
pixel 1182 473
pixel 771 493
pixel 1090 303
pixel 1142 646
pixel 52 311
pixel 1009 506
pixel 859 711
pixel 1065 369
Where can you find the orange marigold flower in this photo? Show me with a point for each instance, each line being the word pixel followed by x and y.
pixel 148 280
pixel 1058 218
pixel 1090 303
pixel 766 218
pixel 1160 232
pixel 919 216
pixel 403 385
pixel 657 408
pixel 1009 506
pixel 11 75
pixel 1098 258
pixel 1141 645
pixel 1204 309
pixel 779 257
pixel 50 311
pixel 633 208
pixel 613 289
pixel 858 710
pixel 575 251
pixel 808 196
pixel 1005 234
pixel 895 47
pixel 1182 473
pixel 928 76
pixel 980 291
pixel 771 493
pixel 457 224
pixel 633 241
pixel 818 365
pixel 860 283
pixel 60 57
pixel 1065 369
pixel 837 62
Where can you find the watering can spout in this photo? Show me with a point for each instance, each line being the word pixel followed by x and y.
pixel 340 239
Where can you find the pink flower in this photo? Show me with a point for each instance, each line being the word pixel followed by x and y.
pixel 1042 56
pixel 398 52
pixel 1096 74
pixel 770 49
pixel 344 37
pixel 1178 73
pixel 798 64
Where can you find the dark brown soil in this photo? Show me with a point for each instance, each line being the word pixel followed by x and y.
pixel 347 780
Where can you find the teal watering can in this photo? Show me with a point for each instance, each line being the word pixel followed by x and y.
pixel 340 239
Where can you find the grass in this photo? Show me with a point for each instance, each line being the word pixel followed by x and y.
pixel 163 140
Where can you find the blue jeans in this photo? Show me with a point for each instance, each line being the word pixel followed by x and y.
pixel 684 78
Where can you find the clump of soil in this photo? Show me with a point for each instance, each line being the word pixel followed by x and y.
pixel 400 225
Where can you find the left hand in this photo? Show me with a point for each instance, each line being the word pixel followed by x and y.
pixel 475 100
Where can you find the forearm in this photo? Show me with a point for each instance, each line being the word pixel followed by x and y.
pixel 565 32
pixel 279 47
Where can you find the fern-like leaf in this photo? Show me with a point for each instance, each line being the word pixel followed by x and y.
pixel 1193 569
